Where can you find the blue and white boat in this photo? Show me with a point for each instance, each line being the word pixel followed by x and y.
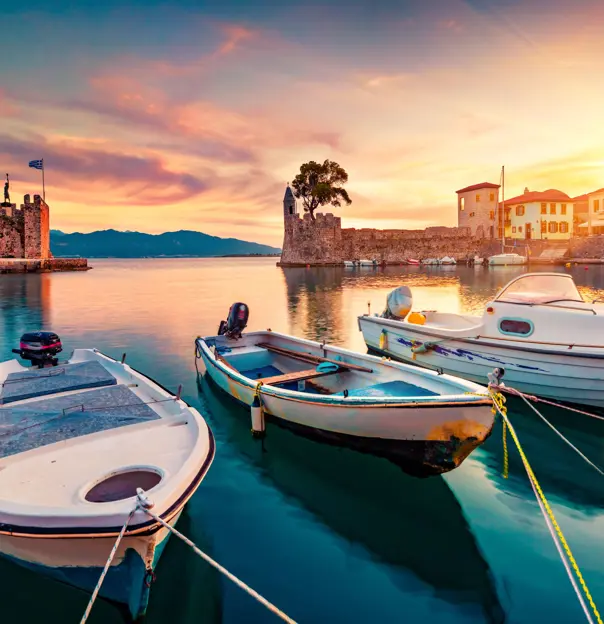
pixel 538 329
pixel 426 422
pixel 76 441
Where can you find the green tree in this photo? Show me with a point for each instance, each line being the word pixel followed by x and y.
pixel 320 184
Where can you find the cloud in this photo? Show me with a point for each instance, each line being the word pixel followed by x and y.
pixel 114 176
pixel 7 107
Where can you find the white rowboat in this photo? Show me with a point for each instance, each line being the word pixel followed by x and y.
pixel 426 422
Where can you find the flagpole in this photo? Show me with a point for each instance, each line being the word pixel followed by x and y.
pixel 43 186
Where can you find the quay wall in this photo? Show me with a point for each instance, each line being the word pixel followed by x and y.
pixel 42 265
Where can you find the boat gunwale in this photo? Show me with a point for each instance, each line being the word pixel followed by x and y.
pixel 476 340
pixel 467 399
pixel 144 529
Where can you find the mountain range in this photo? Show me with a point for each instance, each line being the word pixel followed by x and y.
pixel 115 244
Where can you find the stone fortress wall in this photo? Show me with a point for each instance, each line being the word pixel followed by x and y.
pixel 25 231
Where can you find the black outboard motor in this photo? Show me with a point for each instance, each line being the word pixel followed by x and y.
pixel 236 321
pixel 40 348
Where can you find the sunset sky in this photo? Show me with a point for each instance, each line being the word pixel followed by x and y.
pixel 194 115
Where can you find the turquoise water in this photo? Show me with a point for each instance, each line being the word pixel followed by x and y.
pixel 327 534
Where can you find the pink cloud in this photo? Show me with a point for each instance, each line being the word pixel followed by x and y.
pixel 7 107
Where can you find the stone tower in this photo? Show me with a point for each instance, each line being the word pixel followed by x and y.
pixel 289 203
pixel 477 209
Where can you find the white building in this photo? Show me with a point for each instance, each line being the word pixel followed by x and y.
pixel 540 215
pixel 590 210
pixel 477 209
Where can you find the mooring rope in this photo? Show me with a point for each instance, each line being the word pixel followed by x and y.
pixel 144 505
pixel 555 530
pixel 95 593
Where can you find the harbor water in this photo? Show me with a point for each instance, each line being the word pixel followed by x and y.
pixel 327 534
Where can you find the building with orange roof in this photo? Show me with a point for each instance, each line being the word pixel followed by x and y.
pixel 589 210
pixel 540 215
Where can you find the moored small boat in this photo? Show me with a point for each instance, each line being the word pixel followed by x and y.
pixel 427 422
pixel 538 329
pixel 447 260
pixel 413 261
pixel 507 259
pixel 76 441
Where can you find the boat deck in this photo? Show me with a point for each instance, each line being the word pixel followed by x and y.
pixel 77 399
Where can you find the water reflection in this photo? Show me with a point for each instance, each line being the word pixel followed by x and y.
pixel 411 524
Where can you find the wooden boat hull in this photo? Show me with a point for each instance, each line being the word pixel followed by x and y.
pixel 436 435
pixel 553 374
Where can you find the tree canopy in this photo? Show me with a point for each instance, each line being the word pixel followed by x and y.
pixel 320 184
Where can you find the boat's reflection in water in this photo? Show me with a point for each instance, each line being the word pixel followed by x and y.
pixel 564 476
pixel 408 523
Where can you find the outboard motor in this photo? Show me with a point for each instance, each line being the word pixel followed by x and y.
pixel 40 348
pixel 236 321
pixel 398 303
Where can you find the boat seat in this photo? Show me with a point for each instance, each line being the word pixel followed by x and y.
pixel 261 372
pixel 389 389
pixel 311 373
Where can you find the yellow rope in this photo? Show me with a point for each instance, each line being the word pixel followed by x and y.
pixel 505 450
pixel 499 401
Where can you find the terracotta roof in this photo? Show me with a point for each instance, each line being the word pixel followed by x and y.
pixel 476 187
pixel 539 196
pixel 585 196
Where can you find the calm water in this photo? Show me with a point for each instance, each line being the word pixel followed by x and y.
pixel 329 535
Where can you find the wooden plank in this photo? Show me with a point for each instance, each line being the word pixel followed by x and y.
pixel 311 373
pixel 309 357
pixel 225 362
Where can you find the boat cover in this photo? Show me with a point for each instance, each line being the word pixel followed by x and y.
pixel 51 420
pixel 38 382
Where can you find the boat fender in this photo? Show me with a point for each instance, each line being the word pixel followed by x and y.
pixel 345 393
pixel 384 340
pixel 417 318
pixel 257 414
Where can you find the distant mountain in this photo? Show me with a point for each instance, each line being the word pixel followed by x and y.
pixel 114 244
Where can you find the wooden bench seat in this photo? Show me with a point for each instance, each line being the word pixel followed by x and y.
pixel 311 373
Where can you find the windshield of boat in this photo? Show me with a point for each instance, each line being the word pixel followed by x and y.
pixel 546 288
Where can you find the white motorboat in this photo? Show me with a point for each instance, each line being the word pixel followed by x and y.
pixel 417 417
pixel 76 441
pixel 447 260
pixel 507 259
pixel 367 263
pixel 430 261
pixel 349 264
pixel 538 329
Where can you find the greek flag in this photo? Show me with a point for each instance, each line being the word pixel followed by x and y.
pixel 36 164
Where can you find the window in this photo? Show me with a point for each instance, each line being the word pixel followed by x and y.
pixel 513 229
pixel 500 232
pixel 596 205
pixel 472 214
pixel 553 227
pixel 477 198
pixel 552 208
pixel 462 203
pixel 520 228
pixel 562 208
pixel 543 227
pixel 564 227
pixel 492 215
pixel 519 211
pixel 492 197
pixel 543 208
pixel 516 327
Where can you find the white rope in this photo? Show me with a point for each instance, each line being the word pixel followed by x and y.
pixel 549 526
pixel 525 399
pixel 106 568
pixel 271 607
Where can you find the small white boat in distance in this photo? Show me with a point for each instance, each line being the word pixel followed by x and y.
pixel 413 261
pixel 425 422
pixel 447 260
pixel 538 329
pixel 507 259
pixel 349 264
pixel 76 441
pixel 430 261
pixel 365 263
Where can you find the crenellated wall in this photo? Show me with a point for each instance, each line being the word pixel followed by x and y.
pixel 25 232
pixel 324 242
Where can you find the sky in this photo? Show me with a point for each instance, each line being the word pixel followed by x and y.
pixel 194 115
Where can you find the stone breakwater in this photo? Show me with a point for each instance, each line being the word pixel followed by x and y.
pixel 42 265
pixel 324 242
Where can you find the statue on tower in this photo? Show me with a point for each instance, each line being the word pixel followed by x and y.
pixel 6 193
